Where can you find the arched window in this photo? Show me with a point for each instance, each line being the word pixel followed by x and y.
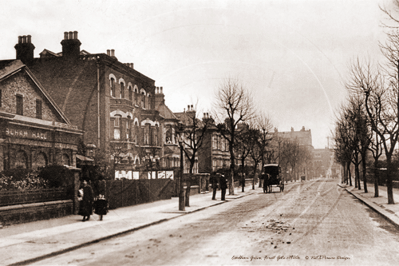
pixel 127 129
pixel 122 95
pixel 112 86
pixel 136 133
pixel 41 160
pixel 155 136
pixel 136 92
pixel 168 135
pixel 143 100
pixel 65 159
pixel 21 160
pixel 148 101
pixel 130 93
pixel 117 125
pixel 147 134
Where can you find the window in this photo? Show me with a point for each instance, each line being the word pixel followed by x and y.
pixel 127 128
pixel 147 134
pixel 143 100
pixel 168 135
pixel 149 102
pixel 117 132
pixel 112 86
pixel 130 93
pixel 39 109
pixel 155 136
pixel 21 160
pixel 20 104
pixel 65 159
pixel 136 133
pixel 122 90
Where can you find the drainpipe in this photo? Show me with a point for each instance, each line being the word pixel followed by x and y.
pixel 98 106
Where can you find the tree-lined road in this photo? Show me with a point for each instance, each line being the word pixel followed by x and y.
pixel 314 222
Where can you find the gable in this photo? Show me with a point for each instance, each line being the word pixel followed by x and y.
pixel 21 84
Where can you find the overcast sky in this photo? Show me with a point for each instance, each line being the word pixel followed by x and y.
pixel 292 55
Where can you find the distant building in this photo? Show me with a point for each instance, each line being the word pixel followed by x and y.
pixel 324 163
pixel 214 153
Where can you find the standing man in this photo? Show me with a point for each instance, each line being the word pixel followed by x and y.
pixel 87 201
pixel 223 185
pixel 214 182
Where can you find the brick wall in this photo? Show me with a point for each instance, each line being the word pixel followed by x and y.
pixel 36 211
pixel 19 84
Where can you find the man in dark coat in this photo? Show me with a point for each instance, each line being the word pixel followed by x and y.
pixel 214 181
pixel 87 202
pixel 223 186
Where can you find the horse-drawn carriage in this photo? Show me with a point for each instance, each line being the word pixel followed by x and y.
pixel 271 176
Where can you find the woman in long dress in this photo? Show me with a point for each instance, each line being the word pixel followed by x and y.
pixel 87 201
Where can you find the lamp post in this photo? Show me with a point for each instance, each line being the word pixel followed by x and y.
pixel 181 189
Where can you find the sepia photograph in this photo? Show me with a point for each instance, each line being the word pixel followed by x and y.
pixel 199 132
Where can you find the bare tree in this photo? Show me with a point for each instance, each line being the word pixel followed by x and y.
pixel 342 146
pixel 233 103
pixel 192 133
pixel 382 107
pixel 262 138
pixel 243 148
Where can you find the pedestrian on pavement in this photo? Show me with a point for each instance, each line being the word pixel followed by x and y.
pixel 101 203
pixel 87 201
pixel 223 185
pixel 214 182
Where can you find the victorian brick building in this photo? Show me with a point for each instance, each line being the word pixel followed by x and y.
pixel 214 153
pixel 119 110
pixel 34 132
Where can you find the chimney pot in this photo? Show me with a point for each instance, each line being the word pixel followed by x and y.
pixel 112 52
pixel 66 35
pixel 75 35
pixel 161 90
pixel 24 49
pixel 109 52
pixel 70 35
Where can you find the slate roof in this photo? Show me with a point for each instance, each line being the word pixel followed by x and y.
pixel 165 112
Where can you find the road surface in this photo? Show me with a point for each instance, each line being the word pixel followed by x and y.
pixel 311 223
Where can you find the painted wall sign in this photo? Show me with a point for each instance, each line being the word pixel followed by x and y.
pixel 24 133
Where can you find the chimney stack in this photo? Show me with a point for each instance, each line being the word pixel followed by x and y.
pixel 159 97
pixel 70 45
pixel 24 49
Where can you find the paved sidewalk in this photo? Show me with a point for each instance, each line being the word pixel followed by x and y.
pixel 379 204
pixel 26 243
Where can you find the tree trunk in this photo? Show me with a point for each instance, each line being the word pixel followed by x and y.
pixel 253 179
pixel 188 189
pixel 376 178
pixel 389 180
pixel 263 164
pixel 357 176
pixel 364 173
pixel 242 174
pixel 349 174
